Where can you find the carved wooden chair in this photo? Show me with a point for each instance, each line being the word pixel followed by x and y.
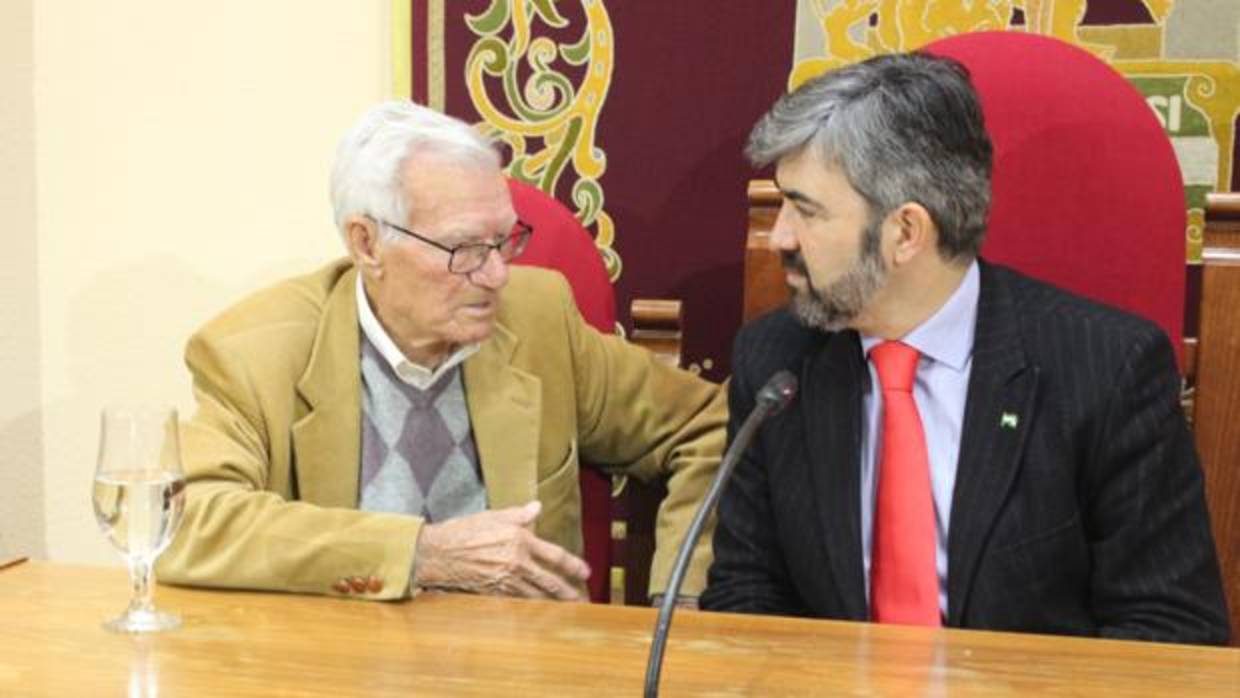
pixel 1087 194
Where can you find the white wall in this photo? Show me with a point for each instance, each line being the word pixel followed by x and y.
pixel 180 159
pixel 21 433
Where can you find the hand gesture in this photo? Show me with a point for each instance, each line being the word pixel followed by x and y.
pixel 496 552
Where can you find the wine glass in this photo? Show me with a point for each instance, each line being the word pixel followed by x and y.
pixel 139 495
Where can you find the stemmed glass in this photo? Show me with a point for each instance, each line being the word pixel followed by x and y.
pixel 139 495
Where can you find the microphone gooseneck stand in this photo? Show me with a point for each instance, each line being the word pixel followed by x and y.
pixel 773 397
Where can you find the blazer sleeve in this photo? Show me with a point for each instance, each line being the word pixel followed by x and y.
pixel 242 526
pixel 1155 572
pixel 649 420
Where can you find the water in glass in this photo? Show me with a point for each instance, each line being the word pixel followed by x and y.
pixel 139 494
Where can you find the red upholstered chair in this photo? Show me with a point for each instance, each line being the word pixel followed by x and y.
pixel 561 243
pixel 1087 191
pixel 1087 194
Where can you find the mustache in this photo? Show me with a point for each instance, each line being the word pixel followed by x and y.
pixel 793 261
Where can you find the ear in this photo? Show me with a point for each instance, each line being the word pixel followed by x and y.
pixel 915 232
pixel 365 245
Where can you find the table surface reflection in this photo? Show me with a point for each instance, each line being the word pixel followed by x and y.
pixel 252 644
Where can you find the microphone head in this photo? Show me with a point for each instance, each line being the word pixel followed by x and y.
pixel 778 391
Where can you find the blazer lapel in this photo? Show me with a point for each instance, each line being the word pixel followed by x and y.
pixel 504 407
pixel 998 416
pixel 831 396
pixel 327 439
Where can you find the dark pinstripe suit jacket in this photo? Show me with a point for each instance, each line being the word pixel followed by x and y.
pixel 1087 518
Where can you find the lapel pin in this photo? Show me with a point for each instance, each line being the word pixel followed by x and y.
pixel 1008 420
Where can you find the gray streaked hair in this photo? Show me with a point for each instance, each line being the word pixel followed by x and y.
pixel 367 178
pixel 903 128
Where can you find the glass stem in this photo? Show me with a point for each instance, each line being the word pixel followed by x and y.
pixel 140 580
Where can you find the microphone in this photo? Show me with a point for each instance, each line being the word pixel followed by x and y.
pixel 773 397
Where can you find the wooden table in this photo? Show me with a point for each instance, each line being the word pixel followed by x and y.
pixel 247 644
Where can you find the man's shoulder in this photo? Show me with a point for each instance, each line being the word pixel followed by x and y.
pixel 774 341
pixel 293 306
pixel 533 294
pixel 781 330
pixel 527 280
pixel 1049 313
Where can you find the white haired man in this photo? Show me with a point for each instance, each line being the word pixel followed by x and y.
pixel 413 417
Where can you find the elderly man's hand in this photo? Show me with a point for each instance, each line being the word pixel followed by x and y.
pixel 496 552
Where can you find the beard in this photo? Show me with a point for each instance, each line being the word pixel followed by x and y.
pixel 834 307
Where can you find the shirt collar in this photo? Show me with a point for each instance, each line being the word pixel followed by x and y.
pixel 407 371
pixel 947 336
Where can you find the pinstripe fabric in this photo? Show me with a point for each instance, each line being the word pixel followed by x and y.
pixel 1083 515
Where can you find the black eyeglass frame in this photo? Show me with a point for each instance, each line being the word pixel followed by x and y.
pixel 523 233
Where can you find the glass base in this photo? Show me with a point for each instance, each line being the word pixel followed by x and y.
pixel 143 622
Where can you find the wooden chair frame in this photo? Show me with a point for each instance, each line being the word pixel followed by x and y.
pixel 656 326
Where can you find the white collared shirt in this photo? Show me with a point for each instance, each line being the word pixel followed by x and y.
pixel 407 371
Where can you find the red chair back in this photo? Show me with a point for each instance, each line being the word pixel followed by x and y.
pixel 1087 193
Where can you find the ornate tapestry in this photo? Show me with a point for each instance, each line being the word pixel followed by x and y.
pixel 634 113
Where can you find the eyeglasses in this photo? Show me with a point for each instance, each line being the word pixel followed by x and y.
pixel 470 257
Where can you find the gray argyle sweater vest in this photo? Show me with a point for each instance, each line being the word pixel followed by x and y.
pixel 418 454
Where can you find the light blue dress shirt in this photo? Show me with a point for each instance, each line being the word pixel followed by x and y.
pixel 945 341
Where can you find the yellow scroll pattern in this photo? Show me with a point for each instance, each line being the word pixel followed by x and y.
pixel 547 116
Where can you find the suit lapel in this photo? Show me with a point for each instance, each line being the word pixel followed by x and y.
pixel 504 407
pixel 327 439
pixel 831 396
pixel 998 416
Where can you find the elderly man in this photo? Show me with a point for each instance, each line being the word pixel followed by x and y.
pixel 413 417
pixel 970 447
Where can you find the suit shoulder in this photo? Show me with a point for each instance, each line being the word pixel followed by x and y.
pixel 774 341
pixel 533 295
pixel 525 280
pixel 1045 308
pixel 778 329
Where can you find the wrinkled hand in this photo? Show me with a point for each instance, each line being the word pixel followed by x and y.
pixel 496 552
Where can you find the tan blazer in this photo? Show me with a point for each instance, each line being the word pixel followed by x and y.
pixel 273 453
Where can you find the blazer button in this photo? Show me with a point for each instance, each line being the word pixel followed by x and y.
pixel 375 585
pixel 342 586
pixel 358 584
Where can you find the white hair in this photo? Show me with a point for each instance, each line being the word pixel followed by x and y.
pixel 367 178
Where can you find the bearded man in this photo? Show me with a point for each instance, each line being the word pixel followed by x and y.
pixel 970 447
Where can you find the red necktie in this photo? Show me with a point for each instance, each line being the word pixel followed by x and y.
pixel 904 585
